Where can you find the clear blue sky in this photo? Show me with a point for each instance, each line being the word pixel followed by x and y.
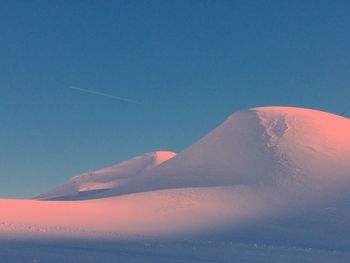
pixel 189 63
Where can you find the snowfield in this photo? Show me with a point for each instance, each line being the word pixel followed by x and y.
pixel 270 184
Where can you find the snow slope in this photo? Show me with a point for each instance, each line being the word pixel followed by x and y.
pixel 86 185
pixel 272 175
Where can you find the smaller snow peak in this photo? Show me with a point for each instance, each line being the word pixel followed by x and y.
pixel 88 185
pixel 162 156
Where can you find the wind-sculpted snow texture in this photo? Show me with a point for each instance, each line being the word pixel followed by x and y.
pixel 270 175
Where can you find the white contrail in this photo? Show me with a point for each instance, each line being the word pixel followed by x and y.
pixel 105 95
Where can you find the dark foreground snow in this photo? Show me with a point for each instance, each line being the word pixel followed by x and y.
pixel 82 251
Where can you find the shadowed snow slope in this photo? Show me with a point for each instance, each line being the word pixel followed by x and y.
pixel 272 174
pixel 86 185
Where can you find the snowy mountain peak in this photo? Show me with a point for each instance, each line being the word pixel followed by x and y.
pixel 285 146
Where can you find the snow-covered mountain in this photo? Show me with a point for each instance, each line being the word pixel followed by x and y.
pixel 286 148
pixel 277 146
pixel 271 174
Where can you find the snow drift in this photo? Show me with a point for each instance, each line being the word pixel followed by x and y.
pixel 274 174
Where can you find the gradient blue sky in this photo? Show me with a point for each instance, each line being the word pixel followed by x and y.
pixel 190 64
